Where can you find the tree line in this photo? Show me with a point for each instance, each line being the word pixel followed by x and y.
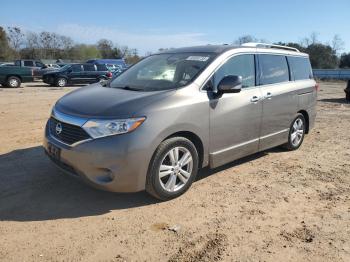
pixel 15 44
pixel 322 55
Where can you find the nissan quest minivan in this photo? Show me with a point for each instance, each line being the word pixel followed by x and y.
pixel 152 127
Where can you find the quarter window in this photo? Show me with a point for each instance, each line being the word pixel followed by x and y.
pixel 101 68
pixel 241 65
pixel 274 69
pixel 300 68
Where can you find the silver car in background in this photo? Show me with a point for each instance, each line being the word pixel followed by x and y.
pixel 155 125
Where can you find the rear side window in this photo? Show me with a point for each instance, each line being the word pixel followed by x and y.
pixel 28 63
pixel 76 68
pixel 89 67
pixel 274 69
pixel 300 68
pixel 101 68
pixel 241 65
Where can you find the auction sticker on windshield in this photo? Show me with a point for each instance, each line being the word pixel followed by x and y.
pixel 197 58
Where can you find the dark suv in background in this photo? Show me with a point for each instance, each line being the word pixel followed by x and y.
pixel 77 74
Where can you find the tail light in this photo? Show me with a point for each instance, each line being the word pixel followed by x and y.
pixel 109 74
pixel 317 87
pixel 32 72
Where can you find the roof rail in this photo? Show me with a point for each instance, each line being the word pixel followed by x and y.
pixel 263 45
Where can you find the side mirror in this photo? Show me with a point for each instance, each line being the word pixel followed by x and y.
pixel 230 84
pixel 70 70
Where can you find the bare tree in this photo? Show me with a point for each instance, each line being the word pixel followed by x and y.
pixel 337 44
pixel 245 39
pixel 314 37
pixel 66 42
pixel 124 51
pixel 105 47
pixel 32 45
pixel 32 40
pixel 310 40
pixel 15 37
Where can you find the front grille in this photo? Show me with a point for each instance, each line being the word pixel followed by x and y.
pixel 70 134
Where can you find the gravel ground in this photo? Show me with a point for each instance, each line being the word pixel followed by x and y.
pixel 272 206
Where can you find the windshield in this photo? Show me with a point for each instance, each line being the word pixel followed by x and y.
pixel 163 71
pixel 65 67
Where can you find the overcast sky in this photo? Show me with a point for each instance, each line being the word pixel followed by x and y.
pixel 150 25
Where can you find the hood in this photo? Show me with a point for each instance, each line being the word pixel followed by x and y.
pixel 95 101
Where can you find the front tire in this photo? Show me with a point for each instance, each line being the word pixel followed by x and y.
pixel 61 82
pixel 13 82
pixel 296 133
pixel 173 168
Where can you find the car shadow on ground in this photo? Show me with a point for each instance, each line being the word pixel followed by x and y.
pixel 33 189
pixel 335 100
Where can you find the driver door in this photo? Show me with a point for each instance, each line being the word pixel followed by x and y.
pixel 75 73
pixel 235 119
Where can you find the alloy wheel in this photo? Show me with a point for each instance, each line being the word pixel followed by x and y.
pixel 175 169
pixel 13 82
pixel 297 133
pixel 61 82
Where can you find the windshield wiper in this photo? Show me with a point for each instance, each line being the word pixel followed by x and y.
pixel 128 88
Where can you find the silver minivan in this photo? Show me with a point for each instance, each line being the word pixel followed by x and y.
pixel 155 125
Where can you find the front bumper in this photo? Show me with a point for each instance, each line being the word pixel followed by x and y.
pixel 108 163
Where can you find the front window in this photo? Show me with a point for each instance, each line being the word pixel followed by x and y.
pixel 241 65
pixel 76 68
pixel 163 71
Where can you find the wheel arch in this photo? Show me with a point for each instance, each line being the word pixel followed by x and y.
pixel 307 120
pixel 61 76
pixel 18 76
pixel 195 139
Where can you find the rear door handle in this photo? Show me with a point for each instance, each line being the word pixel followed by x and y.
pixel 255 99
pixel 268 95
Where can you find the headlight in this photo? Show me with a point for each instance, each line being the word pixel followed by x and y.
pixel 101 128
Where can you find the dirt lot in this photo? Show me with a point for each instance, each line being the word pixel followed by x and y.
pixel 273 206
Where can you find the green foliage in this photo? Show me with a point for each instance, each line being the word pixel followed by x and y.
pixel 82 52
pixel 345 61
pixel 322 56
pixel 105 48
pixel 48 45
pixel 5 50
pixel 297 46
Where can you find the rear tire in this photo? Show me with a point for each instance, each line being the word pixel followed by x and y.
pixel 13 82
pixel 347 97
pixel 173 168
pixel 296 133
pixel 61 82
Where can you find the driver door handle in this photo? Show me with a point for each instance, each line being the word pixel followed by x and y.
pixel 255 99
pixel 268 95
